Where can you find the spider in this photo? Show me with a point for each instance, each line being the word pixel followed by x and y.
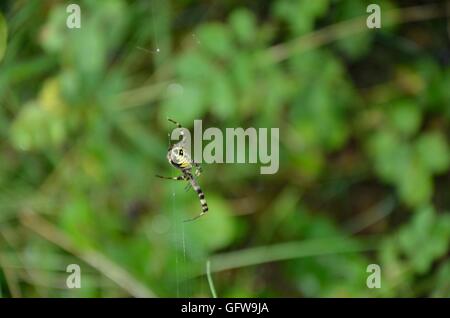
pixel 179 157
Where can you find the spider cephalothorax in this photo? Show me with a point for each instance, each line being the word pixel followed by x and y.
pixel 179 157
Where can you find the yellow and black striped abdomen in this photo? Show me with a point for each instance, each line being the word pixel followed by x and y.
pixel 200 194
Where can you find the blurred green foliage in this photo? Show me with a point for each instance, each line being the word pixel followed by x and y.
pixel 364 155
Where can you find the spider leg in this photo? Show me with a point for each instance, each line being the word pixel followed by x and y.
pixel 170 142
pixel 195 217
pixel 171 178
pixel 187 187
pixel 198 168
pixel 175 122
pixel 181 129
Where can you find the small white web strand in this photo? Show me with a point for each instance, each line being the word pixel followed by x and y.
pixel 155 34
pixel 175 241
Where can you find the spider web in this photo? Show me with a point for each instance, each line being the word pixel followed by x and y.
pixel 183 284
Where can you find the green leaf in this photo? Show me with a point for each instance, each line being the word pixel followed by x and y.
pixel 89 53
pixel 186 104
pixel 37 126
pixel 194 66
pixel 54 36
pixel 222 97
pixel 311 163
pixel 389 155
pixel 22 127
pixel 219 222
pixel 242 72
pixel 415 185
pixel 215 38
pixel 405 116
pixel 77 221
pixel 3 36
pixel 433 152
pixel 244 25
pixel 358 44
pixel 425 238
pixel 300 15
